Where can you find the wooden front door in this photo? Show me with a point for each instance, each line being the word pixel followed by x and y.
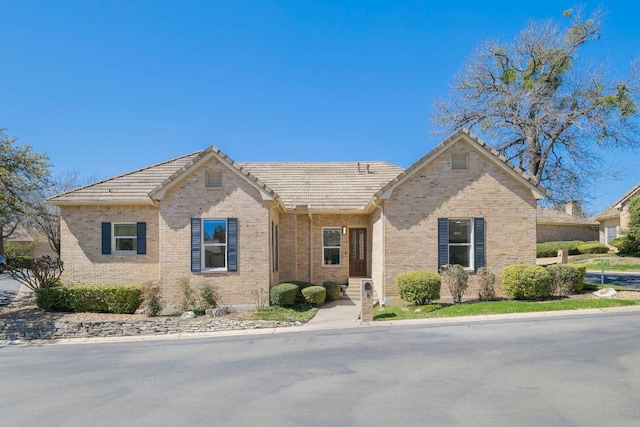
pixel 357 252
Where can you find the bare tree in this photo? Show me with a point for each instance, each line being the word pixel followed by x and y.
pixel 543 108
pixel 46 217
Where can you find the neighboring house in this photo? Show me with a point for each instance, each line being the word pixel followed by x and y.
pixel 570 224
pixel 616 217
pixel 248 226
pixel 32 241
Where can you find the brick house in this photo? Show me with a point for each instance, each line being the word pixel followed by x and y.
pixel 248 226
pixel 615 219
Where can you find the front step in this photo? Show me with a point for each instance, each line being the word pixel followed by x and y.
pixel 354 290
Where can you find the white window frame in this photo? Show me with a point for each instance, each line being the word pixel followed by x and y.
pixel 114 238
pixel 470 245
pixel 339 247
pixel 204 245
pixel 607 235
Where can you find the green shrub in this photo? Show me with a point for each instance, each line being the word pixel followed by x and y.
pixel 550 249
pixel 333 290
pixel 593 248
pixel 486 280
pixel 626 246
pixel 567 279
pixel 314 295
pixel 197 299
pixel 19 250
pixel 301 284
pixel 419 287
pixel 582 271
pixel 21 261
pixel 93 299
pixel 522 281
pixel 284 294
pixel 152 299
pixel 455 278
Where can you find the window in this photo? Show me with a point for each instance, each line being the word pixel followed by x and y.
pixel 124 237
pixel 214 244
pixel 610 234
pixel 460 249
pixel 331 245
pixel 461 241
pixel 459 161
pixel 213 179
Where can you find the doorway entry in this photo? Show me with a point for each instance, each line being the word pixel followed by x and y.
pixel 357 252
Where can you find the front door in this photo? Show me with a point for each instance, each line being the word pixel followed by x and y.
pixel 357 252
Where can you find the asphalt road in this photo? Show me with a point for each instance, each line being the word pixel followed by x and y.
pixel 8 289
pixel 630 280
pixel 567 371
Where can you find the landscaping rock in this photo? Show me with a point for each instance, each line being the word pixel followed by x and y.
pixel 188 315
pixel 216 312
pixel 605 293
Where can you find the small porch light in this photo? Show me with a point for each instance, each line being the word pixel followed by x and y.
pixel 344 229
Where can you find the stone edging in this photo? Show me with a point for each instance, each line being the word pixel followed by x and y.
pixel 52 330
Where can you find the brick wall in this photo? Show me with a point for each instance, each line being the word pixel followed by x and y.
pixel 552 233
pixel 81 246
pixel 483 190
pixel 236 199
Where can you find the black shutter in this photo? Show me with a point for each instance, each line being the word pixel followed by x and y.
pixel 196 226
pixel 479 243
pixel 443 242
pixel 142 238
pixel 106 238
pixel 232 244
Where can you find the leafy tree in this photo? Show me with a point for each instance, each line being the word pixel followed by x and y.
pixel 633 232
pixel 22 172
pixel 541 107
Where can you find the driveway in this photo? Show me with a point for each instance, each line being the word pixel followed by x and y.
pixel 8 289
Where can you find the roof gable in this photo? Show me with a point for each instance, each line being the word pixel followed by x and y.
pixel 463 135
pixel 613 211
pixel 212 152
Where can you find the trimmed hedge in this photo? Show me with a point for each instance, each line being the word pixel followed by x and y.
pixel 419 287
pixel 92 299
pixel 528 282
pixel 314 295
pixel 284 294
pixel 550 249
pixel 567 279
pixel 333 290
pixel 593 248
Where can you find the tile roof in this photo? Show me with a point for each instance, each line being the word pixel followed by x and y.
pixel 483 147
pixel 555 216
pixel 127 188
pixel 324 186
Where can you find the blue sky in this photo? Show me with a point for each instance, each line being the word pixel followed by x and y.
pixel 109 87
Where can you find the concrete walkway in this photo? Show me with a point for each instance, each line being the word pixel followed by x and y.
pixel 340 314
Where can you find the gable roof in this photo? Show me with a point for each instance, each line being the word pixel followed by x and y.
pixel 131 187
pixel 325 186
pixel 330 186
pixel 613 211
pixel 475 142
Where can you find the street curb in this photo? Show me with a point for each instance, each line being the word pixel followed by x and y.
pixel 310 328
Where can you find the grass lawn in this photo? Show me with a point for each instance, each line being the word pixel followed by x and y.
pixel 300 313
pixel 494 307
pixel 612 262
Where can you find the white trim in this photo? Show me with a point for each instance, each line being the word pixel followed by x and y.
pixel 339 247
pixel 134 237
pixel 203 246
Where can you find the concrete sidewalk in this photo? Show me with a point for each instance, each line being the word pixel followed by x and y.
pixel 340 314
